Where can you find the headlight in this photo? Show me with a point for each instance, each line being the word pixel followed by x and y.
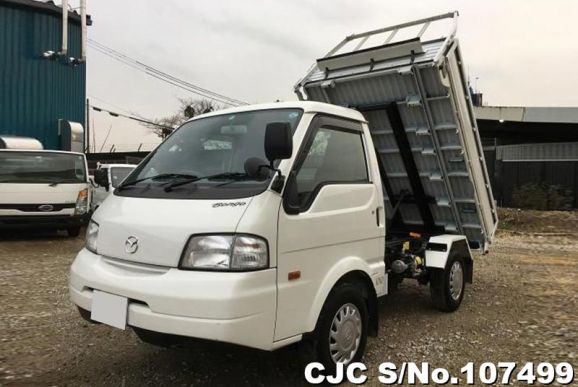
pixel 91 236
pixel 81 203
pixel 226 253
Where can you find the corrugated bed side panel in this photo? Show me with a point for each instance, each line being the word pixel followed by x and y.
pixel 451 154
pixel 384 89
pixel 434 138
pixel 36 92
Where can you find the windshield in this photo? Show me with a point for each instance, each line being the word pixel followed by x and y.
pixel 42 167
pixel 118 174
pixel 215 147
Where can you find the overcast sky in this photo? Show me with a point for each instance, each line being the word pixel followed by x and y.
pixel 523 51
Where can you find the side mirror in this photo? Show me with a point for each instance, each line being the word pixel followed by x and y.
pixel 101 178
pixel 257 168
pixel 278 141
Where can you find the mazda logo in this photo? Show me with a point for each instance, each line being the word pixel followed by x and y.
pixel 46 207
pixel 131 245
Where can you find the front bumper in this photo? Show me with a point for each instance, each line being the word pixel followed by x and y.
pixel 236 308
pixel 43 221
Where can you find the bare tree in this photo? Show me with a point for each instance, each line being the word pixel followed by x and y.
pixel 188 109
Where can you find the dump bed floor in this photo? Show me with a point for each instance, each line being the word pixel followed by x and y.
pixel 415 99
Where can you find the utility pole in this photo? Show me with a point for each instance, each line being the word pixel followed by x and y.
pixel 87 132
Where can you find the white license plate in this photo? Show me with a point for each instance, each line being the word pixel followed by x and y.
pixel 109 309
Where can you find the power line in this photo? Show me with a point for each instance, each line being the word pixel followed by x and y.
pixel 141 120
pixel 151 71
pixel 120 108
pixel 163 76
pixel 137 66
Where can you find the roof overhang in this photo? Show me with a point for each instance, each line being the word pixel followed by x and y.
pixel 46 7
pixel 550 115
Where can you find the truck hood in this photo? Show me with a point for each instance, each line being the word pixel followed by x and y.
pixel 161 227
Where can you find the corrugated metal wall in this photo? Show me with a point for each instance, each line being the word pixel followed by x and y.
pixel 539 152
pixel 36 92
pixel 518 165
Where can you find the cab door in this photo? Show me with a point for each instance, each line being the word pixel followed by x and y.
pixel 338 219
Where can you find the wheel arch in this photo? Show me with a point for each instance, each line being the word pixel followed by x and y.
pixel 369 294
pixel 353 270
pixel 441 248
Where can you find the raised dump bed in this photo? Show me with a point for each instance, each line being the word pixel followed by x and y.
pixel 411 87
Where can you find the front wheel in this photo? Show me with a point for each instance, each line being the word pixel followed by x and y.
pixel 447 286
pixel 341 332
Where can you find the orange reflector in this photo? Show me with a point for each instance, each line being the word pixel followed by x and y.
pixel 82 194
pixel 415 235
pixel 294 275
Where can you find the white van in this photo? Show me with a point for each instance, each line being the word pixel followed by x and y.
pixel 266 225
pixel 106 178
pixel 43 189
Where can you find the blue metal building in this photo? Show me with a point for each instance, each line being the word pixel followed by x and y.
pixel 38 89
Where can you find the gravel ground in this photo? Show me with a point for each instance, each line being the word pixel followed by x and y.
pixel 523 306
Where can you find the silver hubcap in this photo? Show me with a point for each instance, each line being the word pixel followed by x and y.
pixel 456 280
pixel 345 334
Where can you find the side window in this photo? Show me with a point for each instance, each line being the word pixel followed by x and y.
pixel 118 174
pixel 334 157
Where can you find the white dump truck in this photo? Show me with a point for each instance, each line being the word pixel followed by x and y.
pixel 274 224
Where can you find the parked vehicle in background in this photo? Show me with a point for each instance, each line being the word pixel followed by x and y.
pixel 106 178
pixel 15 142
pixel 43 188
pixel 266 225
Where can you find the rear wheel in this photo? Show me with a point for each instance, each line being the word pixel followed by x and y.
pixel 341 332
pixel 447 286
pixel 73 231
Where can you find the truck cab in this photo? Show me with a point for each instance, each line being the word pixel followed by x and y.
pixel 215 233
pixel 280 223
pixel 42 188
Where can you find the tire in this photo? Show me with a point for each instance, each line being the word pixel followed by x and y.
pixel 447 286
pixel 342 324
pixel 73 231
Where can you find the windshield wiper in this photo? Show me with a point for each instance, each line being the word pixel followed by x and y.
pixel 192 179
pixel 157 177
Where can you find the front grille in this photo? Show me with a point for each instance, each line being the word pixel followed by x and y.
pixel 35 207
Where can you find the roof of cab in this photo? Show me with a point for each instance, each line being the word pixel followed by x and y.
pixel 306 106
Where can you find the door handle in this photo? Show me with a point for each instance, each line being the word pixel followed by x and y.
pixel 378 215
